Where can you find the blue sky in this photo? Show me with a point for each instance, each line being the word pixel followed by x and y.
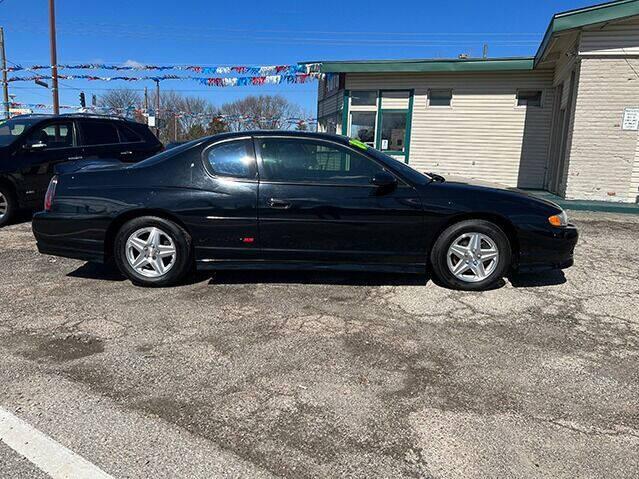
pixel 263 33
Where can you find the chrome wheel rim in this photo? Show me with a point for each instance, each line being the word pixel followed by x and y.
pixel 472 257
pixel 151 252
pixel 4 205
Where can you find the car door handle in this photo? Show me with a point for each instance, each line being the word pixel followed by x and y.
pixel 126 153
pixel 71 158
pixel 279 204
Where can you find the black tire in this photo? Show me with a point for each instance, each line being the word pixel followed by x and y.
pixel 11 205
pixel 438 257
pixel 181 239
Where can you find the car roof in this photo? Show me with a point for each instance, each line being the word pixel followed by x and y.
pixel 282 133
pixel 47 116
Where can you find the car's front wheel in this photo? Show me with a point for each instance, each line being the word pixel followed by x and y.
pixel 471 255
pixel 152 251
pixel 8 205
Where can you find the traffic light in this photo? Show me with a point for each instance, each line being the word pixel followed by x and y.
pixel 83 101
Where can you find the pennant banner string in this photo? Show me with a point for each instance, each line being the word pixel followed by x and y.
pixel 216 70
pixel 208 81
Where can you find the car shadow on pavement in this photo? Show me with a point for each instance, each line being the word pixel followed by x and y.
pixel 315 277
pixel 535 280
pixel 105 272
pixel 22 216
pixel 108 272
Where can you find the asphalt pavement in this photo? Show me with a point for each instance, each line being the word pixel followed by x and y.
pixel 298 374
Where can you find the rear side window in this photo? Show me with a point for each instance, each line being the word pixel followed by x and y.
pixel 127 135
pixel 232 158
pixel 99 133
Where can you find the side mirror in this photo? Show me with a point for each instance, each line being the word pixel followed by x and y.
pixel 384 180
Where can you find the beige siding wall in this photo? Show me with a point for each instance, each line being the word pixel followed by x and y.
pixel 633 193
pixel 484 134
pixel 620 38
pixel 602 155
pixel 331 104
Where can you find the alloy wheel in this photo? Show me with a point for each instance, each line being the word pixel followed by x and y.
pixel 472 257
pixel 151 252
pixel 4 206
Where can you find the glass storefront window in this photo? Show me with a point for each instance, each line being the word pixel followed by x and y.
pixel 363 126
pixel 364 98
pixel 393 131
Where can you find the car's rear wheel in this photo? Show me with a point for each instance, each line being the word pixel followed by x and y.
pixel 152 251
pixel 471 255
pixel 8 205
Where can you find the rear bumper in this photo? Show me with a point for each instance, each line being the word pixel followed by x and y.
pixel 547 248
pixel 68 237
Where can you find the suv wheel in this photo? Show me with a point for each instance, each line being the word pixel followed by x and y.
pixel 152 251
pixel 8 205
pixel 471 255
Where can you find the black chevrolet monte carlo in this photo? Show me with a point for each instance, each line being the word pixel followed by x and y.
pixel 293 200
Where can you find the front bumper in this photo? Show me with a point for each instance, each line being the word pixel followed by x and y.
pixel 69 237
pixel 547 248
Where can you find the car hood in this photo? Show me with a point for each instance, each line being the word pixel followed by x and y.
pixel 473 184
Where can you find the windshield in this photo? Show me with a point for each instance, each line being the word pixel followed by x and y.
pixel 408 171
pixel 10 130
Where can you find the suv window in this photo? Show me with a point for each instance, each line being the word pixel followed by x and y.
pixel 301 160
pixel 127 135
pixel 99 133
pixel 232 158
pixel 55 135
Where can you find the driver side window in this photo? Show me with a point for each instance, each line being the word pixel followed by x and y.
pixel 300 160
pixel 56 135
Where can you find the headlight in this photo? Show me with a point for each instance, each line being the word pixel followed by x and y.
pixel 559 220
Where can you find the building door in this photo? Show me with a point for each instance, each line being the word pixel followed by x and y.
pixel 392 134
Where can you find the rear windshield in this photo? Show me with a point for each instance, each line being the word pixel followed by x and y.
pixel 166 154
pixel 10 130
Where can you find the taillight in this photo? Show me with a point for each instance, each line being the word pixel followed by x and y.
pixel 48 199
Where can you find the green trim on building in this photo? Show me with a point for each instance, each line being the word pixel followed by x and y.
pixel 587 205
pixel 575 19
pixel 409 124
pixel 416 66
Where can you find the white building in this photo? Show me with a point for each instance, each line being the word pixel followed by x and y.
pixel 564 120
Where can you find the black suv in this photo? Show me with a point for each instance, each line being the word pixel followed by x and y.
pixel 32 146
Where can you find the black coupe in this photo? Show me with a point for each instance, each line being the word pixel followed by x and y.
pixel 296 200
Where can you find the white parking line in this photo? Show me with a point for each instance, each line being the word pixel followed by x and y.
pixel 48 455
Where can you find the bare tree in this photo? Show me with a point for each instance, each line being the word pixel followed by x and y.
pixel 120 99
pixel 186 117
pixel 264 112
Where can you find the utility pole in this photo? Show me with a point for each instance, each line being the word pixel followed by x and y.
pixel 146 101
pixel 485 52
pixel 157 108
pixel 54 59
pixel 5 83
